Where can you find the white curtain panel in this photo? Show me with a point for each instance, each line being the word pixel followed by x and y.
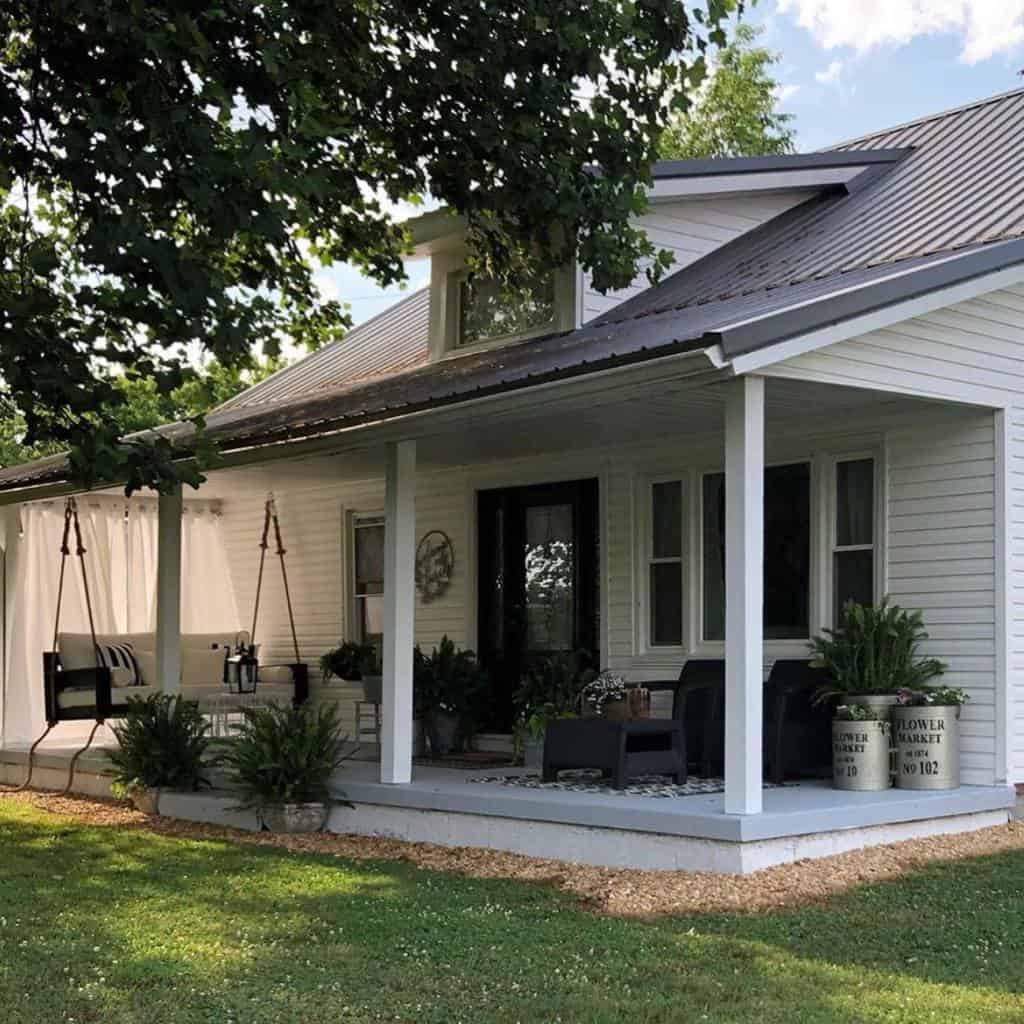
pixel 207 595
pixel 140 575
pixel 120 538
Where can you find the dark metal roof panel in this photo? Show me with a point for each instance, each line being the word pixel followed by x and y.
pixel 783 162
pixel 960 184
pixel 388 343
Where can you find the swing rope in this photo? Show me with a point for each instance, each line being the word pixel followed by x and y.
pixel 270 519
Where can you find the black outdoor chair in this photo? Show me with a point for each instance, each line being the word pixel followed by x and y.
pixel 699 703
pixel 798 732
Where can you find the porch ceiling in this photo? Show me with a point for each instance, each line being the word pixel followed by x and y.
pixel 607 419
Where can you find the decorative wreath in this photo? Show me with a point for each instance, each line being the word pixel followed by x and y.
pixel 435 563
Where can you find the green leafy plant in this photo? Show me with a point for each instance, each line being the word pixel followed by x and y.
pixel 162 741
pixel 860 713
pixel 285 755
pixel 875 650
pixel 449 681
pixel 550 689
pixel 349 661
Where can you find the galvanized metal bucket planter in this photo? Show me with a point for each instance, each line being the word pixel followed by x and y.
pixel 878 702
pixel 927 742
pixel 860 755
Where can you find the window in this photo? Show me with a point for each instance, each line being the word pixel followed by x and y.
pixel 665 565
pixel 489 311
pixel 368 581
pixel 853 546
pixel 787 553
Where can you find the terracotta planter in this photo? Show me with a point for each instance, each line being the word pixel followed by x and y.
pixel 294 818
pixel 145 798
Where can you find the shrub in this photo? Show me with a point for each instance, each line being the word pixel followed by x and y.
pixel 349 661
pixel 285 755
pixel 161 743
pixel 876 649
pixel 449 681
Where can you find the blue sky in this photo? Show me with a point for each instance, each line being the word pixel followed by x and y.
pixel 848 67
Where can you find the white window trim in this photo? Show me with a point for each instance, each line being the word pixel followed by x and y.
pixel 831 512
pixel 822 464
pixel 454 287
pixel 352 520
pixel 645 559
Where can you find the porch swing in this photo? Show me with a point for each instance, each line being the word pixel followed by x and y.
pixel 93 682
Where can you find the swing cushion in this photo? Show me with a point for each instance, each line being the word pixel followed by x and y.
pixel 117 653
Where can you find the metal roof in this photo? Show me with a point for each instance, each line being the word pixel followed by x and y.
pixel 386 344
pixel 713 166
pixel 960 186
pixel 949 211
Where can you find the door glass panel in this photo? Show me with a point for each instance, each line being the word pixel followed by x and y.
pixel 549 556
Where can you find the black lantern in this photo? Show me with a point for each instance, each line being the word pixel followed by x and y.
pixel 241 668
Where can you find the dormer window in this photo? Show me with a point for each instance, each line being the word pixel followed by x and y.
pixel 489 311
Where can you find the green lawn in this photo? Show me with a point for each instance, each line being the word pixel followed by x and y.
pixel 102 925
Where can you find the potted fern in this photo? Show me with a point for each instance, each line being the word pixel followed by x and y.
pixel 281 762
pixel 448 688
pixel 162 741
pixel 873 655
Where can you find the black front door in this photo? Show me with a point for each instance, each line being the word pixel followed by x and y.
pixel 538 556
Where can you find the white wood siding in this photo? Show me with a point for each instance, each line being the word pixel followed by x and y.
pixel 690 229
pixel 971 349
pixel 939 514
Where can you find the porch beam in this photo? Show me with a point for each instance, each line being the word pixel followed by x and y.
pixel 168 592
pixel 399 610
pixel 744 593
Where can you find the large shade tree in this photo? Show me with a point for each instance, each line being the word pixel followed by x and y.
pixel 171 172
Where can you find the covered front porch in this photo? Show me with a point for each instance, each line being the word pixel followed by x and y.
pixel 935 528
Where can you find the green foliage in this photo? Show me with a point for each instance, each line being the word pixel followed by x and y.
pixel 161 743
pixel 551 688
pixel 349 661
pixel 169 929
pixel 172 173
pixel 285 755
pixel 860 713
pixel 876 649
pixel 449 681
pixel 935 696
pixel 734 110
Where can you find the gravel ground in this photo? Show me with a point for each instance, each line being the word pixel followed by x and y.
pixel 619 892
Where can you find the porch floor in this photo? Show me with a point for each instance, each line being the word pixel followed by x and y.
pixel 791 810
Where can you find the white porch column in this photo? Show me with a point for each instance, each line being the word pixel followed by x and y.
pixel 399 610
pixel 168 592
pixel 744 597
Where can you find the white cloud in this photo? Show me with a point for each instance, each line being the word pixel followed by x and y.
pixel 784 93
pixel 830 76
pixel 984 27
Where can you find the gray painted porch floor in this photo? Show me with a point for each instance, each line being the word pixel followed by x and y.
pixel 792 810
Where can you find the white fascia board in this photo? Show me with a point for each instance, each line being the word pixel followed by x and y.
pixel 751 182
pixel 876 320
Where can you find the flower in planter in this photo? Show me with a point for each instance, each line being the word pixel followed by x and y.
pixel 933 696
pixel 858 713
pixel 607 687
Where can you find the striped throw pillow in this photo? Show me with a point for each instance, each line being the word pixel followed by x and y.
pixel 120 656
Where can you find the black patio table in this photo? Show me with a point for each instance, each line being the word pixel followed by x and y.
pixel 620 749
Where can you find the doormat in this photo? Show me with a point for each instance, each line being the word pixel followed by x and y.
pixel 590 780
pixel 472 759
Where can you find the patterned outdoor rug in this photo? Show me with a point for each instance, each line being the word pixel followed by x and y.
pixel 590 781
pixel 472 759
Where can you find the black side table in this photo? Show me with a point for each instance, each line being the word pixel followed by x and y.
pixel 620 750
